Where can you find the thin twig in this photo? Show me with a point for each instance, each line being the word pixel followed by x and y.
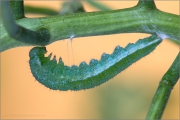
pixel 164 90
pixel 17 7
pixel 19 33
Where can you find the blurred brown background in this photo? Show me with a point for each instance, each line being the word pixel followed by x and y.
pixel 126 96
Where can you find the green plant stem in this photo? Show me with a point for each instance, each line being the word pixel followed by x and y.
pixel 40 10
pixel 137 19
pixel 17 7
pixel 164 90
pixel 19 33
pixel 8 19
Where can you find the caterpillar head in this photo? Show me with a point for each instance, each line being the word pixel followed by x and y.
pixel 37 52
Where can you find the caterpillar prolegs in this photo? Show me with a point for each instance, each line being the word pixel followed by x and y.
pixel 58 76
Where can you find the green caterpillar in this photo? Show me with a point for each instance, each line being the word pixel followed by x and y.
pixel 57 76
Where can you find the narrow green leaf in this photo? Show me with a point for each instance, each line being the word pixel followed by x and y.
pixel 40 10
pixel 98 5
